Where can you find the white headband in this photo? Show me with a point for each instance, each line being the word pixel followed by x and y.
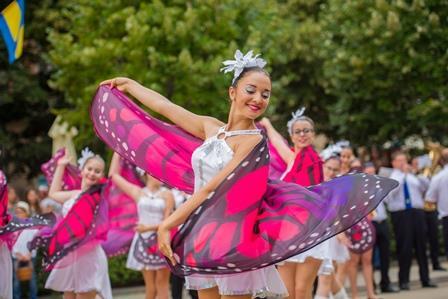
pixel 295 117
pixel 241 62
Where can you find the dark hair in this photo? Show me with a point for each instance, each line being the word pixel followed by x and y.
pixel 368 164
pixel 249 70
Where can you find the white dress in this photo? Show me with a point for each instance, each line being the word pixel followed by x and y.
pixel 207 161
pixel 5 272
pixel 81 272
pixel 151 208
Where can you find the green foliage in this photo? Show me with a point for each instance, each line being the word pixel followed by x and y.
pixel 173 47
pixel 120 276
pixel 385 62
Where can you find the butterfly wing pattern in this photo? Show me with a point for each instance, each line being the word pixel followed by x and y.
pixel 71 178
pixel 162 150
pixel 4 217
pixel 122 213
pixel 147 251
pixel 362 236
pixel 249 221
pixel 86 221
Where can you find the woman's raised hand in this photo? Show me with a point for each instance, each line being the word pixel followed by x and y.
pixel 121 83
pixel 265 122
pixel 64 160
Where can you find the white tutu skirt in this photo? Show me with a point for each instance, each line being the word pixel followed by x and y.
pixel 5 272
pixel 265 282
pixel 85 272
pixel 337 253
pixel 320 252
pixel 133 264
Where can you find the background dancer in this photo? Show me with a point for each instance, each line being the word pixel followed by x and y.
pixel 80 275
pixel 305 169
pixel 328 285
pixel 154 203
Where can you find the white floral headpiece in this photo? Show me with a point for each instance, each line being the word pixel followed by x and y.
pixel 343 143
pixel 295 117
pixel 86 154
pixel 241 62
pixel 332 150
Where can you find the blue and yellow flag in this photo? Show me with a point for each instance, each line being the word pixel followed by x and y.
pixel 12 24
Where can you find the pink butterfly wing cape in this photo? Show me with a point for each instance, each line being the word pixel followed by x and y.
pixel 71 179
pixel 249 221
pixel 123 215
pixel 103 214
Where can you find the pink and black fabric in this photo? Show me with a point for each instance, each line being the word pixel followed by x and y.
pixel 362 236
pixel 11 226
pixel 85 223
pixel 71 179
pixel 307 168
pixel 249 221
pixel 147 251
pixel 277 165
pixel 4 217
pixel 123 215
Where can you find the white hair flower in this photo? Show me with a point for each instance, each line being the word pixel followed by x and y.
pixel 332 150
pixel 241 62
pixel 86 154
pixel 295 117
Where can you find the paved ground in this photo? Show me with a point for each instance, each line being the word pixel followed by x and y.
pixel 416 292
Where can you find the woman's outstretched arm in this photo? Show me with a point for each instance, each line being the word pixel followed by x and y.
pixel 55 191
pixel 190 122
pixel 130 189
pixel 277 141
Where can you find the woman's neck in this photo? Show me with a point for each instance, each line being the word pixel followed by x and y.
pixel 153 187
pixel 235 122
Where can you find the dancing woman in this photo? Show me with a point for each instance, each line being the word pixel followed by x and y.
pixel 225 146
pixel 328 285
pixel 83 272
pixel 154 203
pixel 305 169
pixel 238 223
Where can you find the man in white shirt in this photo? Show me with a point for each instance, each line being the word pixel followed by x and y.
pixel 408 219
pixel 438 193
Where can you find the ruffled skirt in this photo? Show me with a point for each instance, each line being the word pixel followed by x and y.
pixel 86 272
pixel 320 252
pixel 265 282
pixel 154 260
